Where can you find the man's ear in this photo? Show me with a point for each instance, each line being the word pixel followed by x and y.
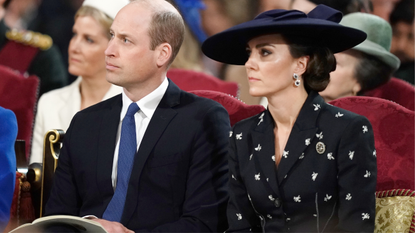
pixel 164 52
pixel 301 65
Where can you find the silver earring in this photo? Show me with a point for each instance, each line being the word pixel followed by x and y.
pixel 297 81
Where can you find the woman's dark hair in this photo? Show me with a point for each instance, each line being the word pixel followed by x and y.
pixel 403 11
pixel 371 72
pixel 321 62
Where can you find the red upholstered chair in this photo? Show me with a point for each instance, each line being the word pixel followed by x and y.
pixel 19 94
pixel 396 90
pixel 237 109
pixel 189 80
pixel 393 127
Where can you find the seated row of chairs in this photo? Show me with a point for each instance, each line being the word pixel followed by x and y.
pixel 393 126
pixel 396 90
pixel 393 139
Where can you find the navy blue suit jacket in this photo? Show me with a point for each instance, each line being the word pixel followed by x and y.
pixel 179 176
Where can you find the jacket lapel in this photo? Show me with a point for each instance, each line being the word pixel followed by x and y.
pixel 263 148
pixel 302 134
pixel 158 123
pixel 70 101
pixel 107 141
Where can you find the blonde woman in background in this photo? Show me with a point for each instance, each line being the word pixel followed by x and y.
pixel 86 60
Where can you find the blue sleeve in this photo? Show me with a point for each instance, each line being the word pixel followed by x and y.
pixel 8 134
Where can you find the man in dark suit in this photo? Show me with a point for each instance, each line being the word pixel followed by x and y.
pixel 179 173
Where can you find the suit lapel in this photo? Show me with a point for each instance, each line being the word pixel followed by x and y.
pixel 264 150
pixel 294 150
pixel 302 134
pixel 158 124
pixel 107 141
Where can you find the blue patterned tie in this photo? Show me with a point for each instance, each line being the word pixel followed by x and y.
pixel 128 147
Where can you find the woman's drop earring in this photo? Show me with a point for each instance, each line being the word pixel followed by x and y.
pixel 297 81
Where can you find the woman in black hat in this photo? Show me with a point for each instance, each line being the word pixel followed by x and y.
pixel 302 165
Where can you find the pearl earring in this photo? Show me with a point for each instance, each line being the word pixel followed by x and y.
pixel 297 81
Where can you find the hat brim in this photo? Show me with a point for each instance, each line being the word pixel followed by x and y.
pixel 229 46
pixel 379 52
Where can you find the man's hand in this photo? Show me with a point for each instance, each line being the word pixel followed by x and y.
pixel 112 227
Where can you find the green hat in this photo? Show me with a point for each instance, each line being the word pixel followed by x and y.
pixel 379 36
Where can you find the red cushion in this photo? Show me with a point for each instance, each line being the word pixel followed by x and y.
pixel 393 127
pixel 19 94
pixel 396 90
pixel 237 109
pixel 189 80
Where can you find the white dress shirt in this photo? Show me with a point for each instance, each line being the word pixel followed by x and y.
pixel 148 105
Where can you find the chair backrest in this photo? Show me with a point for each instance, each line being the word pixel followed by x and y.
pixel 237 109
pixel 395 211
pixel 393 127
pixel 40 175
pixel 190 80
pixel 396 90
pixel 51 150
pixel 19 94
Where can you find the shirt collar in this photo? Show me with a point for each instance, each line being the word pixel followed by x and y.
pixel 148 103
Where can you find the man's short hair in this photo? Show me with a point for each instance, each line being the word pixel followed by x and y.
pixel 166 26
pixel 403 11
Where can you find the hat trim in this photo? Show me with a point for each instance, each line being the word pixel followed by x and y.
pixel 317 32
pixel 379 52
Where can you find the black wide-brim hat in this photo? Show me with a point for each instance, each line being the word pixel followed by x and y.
pixel 320 27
